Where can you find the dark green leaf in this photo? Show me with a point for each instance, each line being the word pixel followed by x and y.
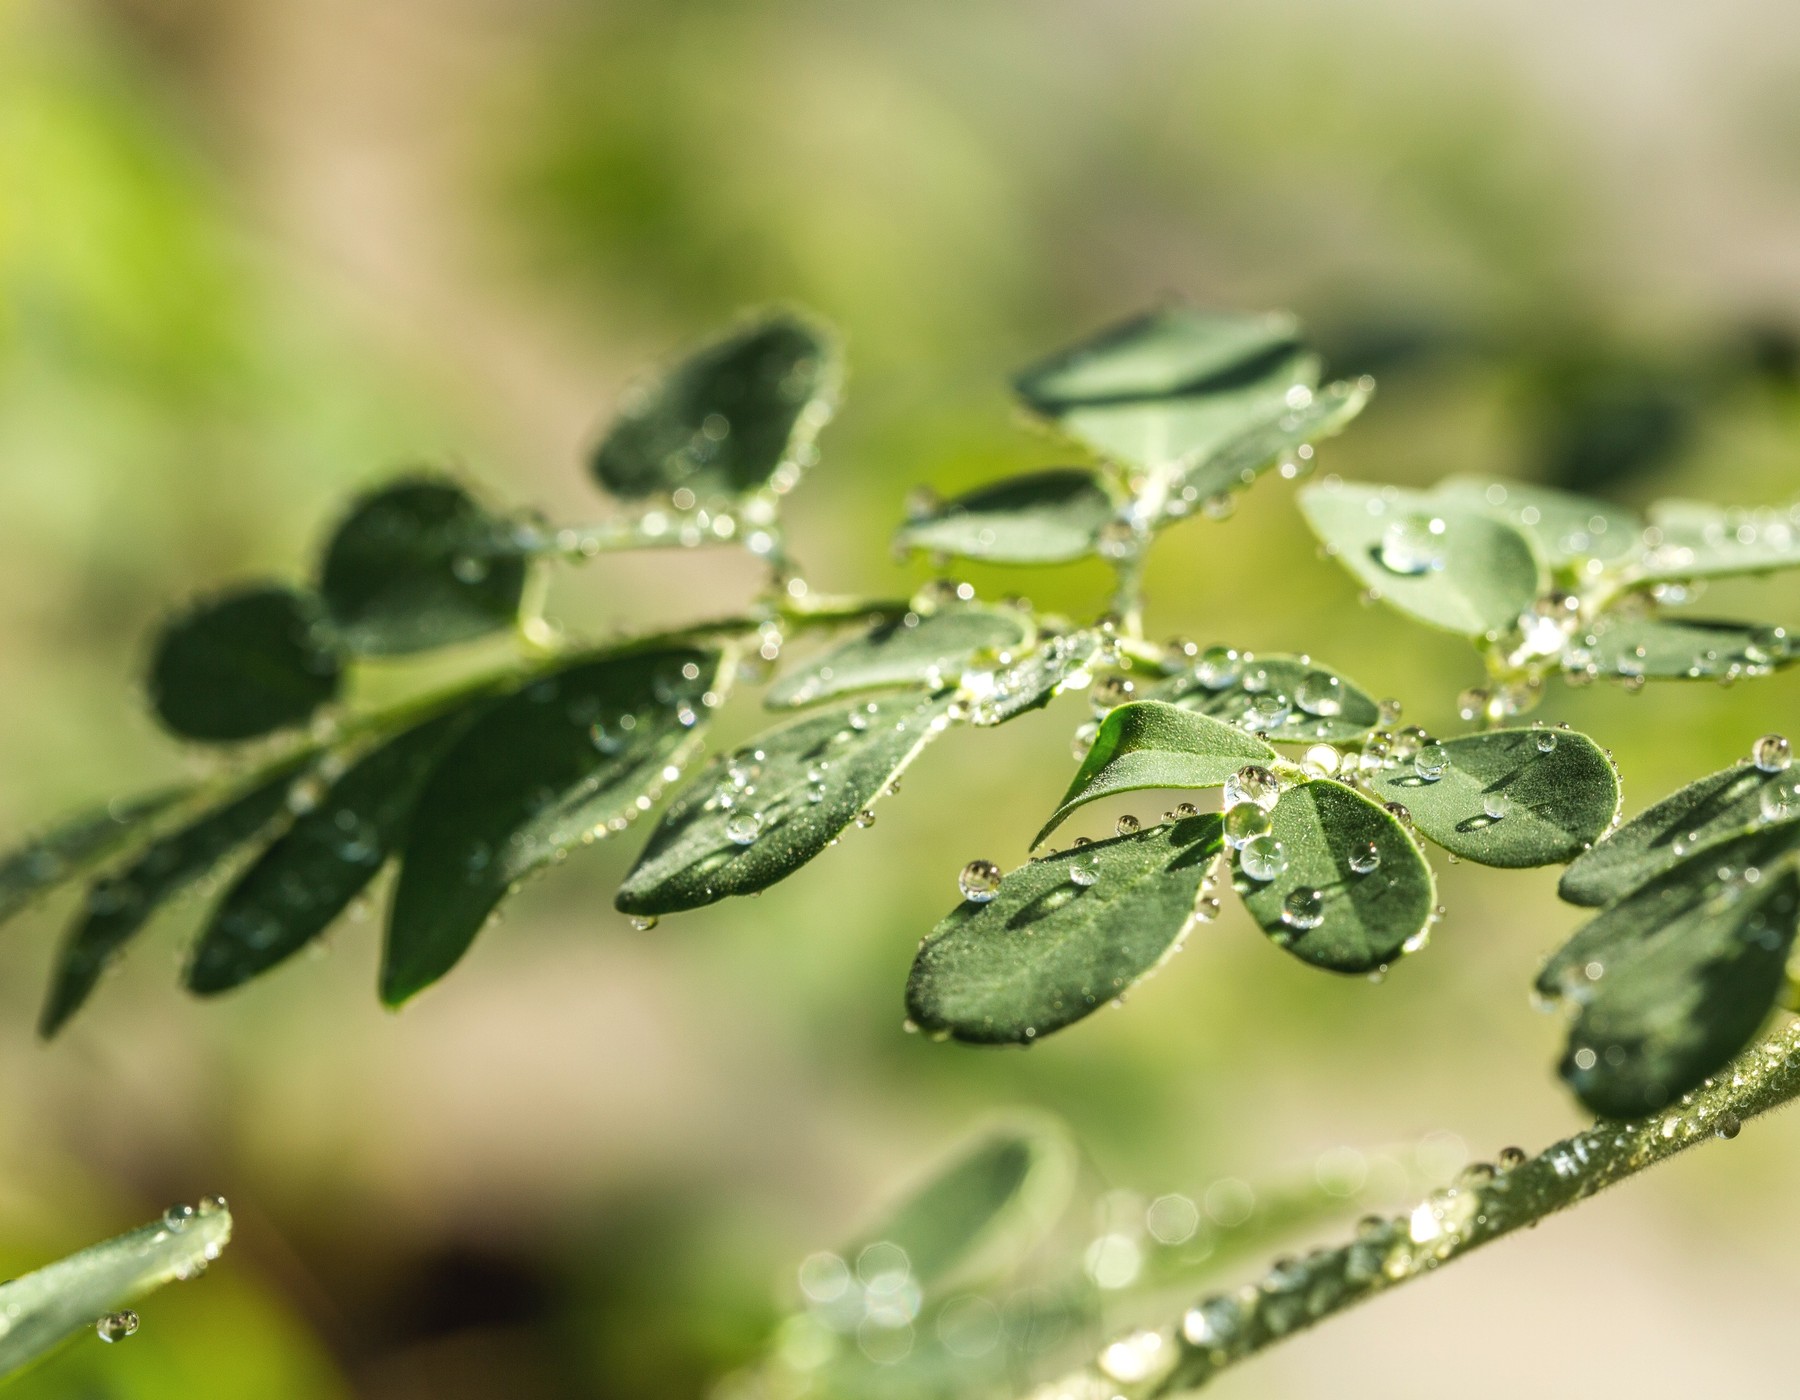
pixel 1300 421
pixel 1057 664
pixel 419 564
pixel 243 665
pixel 1284 697
pixel 1168 353
pixel 1510 797
pixel 1440 561
pixel 1048 949
pixel 1567 529
pixel 1714 809
pixel 1047 517
pixel 303 881
pixel 1698 540
pixel 983 1210
pixel 74 846
pixel 1352 922
pixel 1149 744
pixel 734 416
pixel 560 762
pixel 1667 648
pixel 119 905
pixel 756 815
pixel 928 649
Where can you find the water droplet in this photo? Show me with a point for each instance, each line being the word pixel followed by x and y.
pixel 1133 1359
pixel 1263 858
pixel 1117 539
pixel 1321 761
pixel 1320 693
pixel 1206 908
pixel 643 923
pixel 979 881
pixel 743 828
pixel 1245 822
pixel 1252 783
pixel 1399 812
pixel 1365 858
pixel 1412 545
pixel 1472 704
pixel 1083 740
pixel 1772 753
pixel 1388 713
pixel 1303 909
pixel 1181 811
pixel 1083 872
pixel 1218 667
pixel 212 1205
pixel 1727 1126
pixel 1496 804
pixel 1511 1157
pixel 865 818
pixel 1780 800
pixel 1546 740
pixel 1108 693
pixel 117 1326
pixel 177 1216
pixel 1127 825
pixel 1430 761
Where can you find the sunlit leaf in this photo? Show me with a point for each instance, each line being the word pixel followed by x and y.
pixel 1681 648
pixel 119 905
pixel 1699 540
pixel 243 664
pixel 417 564
pixel 756 815
pixel 1508 797
pixel 736 415
pixel 1441 561
pixel 1303 418
pixel 1717 808
pixel 1320 903
pixel 1288 699
pixel 928 649
pixel 558 763
pixel 45 1308
pixel 77 845
pixel 311 873
pixel 1567 529
pixel 1055 665
pixel 1150 744
pixel 1063 935
pixel 1046 517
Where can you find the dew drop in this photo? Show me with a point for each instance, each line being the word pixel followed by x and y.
pixel 865 818
pixel 177 1217
pixel 1496 804
pixel 1254 784
pixel 1364 858
pixel 1303 909
pixel 1263 858
pixel 1546 740
pixel 117 1326
pixel 1083 873
pixel 1320 693
pixel 979 881
pixel 1430 761
pixel 1127 825
pixel 743 828
pixel 1727 1126
pixel 1772 753
pixel 1245 822
pixel 1412 545
pixel 1511 1157
pixel 1218 667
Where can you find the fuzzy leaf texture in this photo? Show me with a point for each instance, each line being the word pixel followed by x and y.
pixel 916 649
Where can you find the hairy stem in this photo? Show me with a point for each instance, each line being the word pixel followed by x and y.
pixel 1486 1203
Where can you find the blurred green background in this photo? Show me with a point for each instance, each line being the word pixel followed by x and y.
pixel 252 256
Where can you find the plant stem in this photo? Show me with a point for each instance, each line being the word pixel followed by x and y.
pixel 1485 1204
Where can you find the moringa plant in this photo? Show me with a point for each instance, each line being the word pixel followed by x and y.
pixel 1328 802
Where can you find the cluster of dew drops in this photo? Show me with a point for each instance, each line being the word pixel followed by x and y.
pixel 117 1326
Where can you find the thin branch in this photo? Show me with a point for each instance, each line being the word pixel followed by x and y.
pixel 1486 1203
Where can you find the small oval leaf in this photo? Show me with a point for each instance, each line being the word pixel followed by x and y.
pixel 1442 562
pixel 417 564
pixel 1361 919
pixel 1667 648
pixel 243 665
pixel 928 649
pixel 1150 744
pixel 1696 539
pixel 1047 517
pixel 728 420
pixel 756 815
pixel 559 762
pixel 74 846
pixel 1304 417
pixel 1503 798
pixel 1567 529
pixel 1048 949
pixel 1290 700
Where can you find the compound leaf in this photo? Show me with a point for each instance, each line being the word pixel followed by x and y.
pixel 1150 744
pixel 1699 540
pixel 119 905
pixel 1062 936
pixel 1510 797
pixel 928 649
pixel 1047 517
pixel 242 665
pixel 1318 905
pixel 1442 562
pixel 1717 808
pixel 1289 699
pixel 736 415
pixel 417 564
pixel 307 877
pixel 76 845
pixel 557 763
pixel 1667 648
pixel 756 815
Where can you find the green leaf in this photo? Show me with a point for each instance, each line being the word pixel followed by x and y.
pixel 982 1211
pixel 1510 797
pixel 1055 665
pixel 1442 562
pixel 417 564
pixel 1363 921
pixel 1287 698
pixel 1150 744
pixel 1717 808
pixel 756 815
pixel 76 845
pixel 46 1308
pixel 308 876
pixel 1237 463
pixel 737 415
pixel 1675 979
pixel 243 665
pixel 560 762
pixel 1047 517
pixel 1699 540
pixel 1047 949
pixel 1567 529
pixel 928 649
pixel 1171 352
pixel 119 905
pixel 1666 648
